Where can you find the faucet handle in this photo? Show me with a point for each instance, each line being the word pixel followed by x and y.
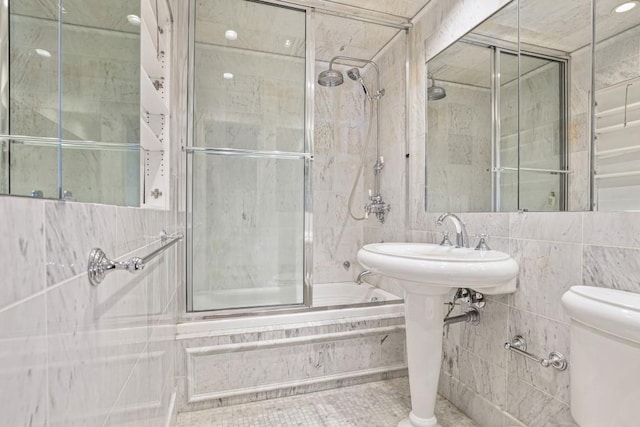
pixel 445 239
pixel 482 242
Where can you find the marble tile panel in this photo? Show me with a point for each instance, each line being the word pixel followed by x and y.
pixel 22 243
pixel 621 229
pixel 609 267
pixel 551 226
pixel 547 270
pixel 535 408
pixel 89 343
pixel 486 340
pixel 23 363
pixel 139 227
pixel 483 378
pixel 491 224
pixel 71 231
pixel 482 411
pixel 542 337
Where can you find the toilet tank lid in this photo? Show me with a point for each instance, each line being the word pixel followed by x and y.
pixel 623 299
pixel 612 311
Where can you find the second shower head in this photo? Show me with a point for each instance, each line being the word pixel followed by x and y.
pixel 354 74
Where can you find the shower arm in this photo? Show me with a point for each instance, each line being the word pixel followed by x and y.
pixel 379 93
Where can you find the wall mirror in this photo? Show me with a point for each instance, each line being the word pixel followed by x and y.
pixel 616 150
pixel 71 115
pixel 514 129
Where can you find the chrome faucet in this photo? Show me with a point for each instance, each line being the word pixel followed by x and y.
pixel 362 275
pixel 462 238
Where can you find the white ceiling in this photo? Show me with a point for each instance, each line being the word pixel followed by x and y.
pixel 561 25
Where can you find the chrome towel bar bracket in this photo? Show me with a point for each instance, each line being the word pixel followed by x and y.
pixel 100 265
pixel 555 359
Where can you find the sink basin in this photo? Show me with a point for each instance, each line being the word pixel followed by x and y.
pixel 491 272
pixel 427 272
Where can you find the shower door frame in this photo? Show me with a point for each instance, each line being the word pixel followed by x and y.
pixel 497 48
pixel 306 154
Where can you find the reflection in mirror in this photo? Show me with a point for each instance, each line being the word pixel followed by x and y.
pixel 70 99
pixel 617 112
pixel 537 155
pixel 467 129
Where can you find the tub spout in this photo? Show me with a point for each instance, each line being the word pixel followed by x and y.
pixel 362 275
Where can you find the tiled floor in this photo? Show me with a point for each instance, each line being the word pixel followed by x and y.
pixel 378 404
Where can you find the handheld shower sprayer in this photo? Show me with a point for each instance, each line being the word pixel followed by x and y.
pixel 354 74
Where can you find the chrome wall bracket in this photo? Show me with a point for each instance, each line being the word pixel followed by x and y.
pixel 555 359
pixel 100 265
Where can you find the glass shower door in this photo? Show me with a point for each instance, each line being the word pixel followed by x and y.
pixel 248 160
pixel 543 153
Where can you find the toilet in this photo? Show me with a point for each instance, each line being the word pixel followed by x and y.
pixel 605 356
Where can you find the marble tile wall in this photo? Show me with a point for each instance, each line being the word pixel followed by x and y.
pixel 73 353
pixel 555 251
pixel 341 121
pixel 393 147
pixel 228 367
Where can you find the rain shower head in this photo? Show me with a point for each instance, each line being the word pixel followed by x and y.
pixel 434 93
pixel 330 78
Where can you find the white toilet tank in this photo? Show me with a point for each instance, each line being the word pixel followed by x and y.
pixel 605 356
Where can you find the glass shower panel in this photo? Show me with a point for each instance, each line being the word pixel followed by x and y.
pixel 542 138
pixel 507 137
pixel 248 157
pixel 249 84
pixel 247 221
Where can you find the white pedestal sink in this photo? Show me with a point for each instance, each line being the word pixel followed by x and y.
pixel 427 272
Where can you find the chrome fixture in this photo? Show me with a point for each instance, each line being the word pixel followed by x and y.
pixel 482 243
pixel 472 316
pixel 445 239
pixel 99 264
pixel 37 194
pixel 67 195
pixel 362 275
pixel 555 359
pixel 346 265
pixel 462 238
pixel 473 299
pixel 332 78
pixel 434 93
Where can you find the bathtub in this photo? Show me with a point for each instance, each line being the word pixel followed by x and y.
pixel 324 295
pixel 233 360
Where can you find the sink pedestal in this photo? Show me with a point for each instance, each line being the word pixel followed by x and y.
pixel 424 314
pixel 426 272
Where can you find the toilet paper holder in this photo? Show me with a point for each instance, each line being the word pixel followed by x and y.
pixel 555 359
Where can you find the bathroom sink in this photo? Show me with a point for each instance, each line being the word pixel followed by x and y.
pixel 426 273
pixel 430 265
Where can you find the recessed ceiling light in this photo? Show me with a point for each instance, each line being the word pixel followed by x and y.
pixel 625 7
pixel 231 35
pixel 227 76
pixel 133 20
pixel 44 53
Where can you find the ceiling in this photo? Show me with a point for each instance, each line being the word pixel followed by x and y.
pixel 563 26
